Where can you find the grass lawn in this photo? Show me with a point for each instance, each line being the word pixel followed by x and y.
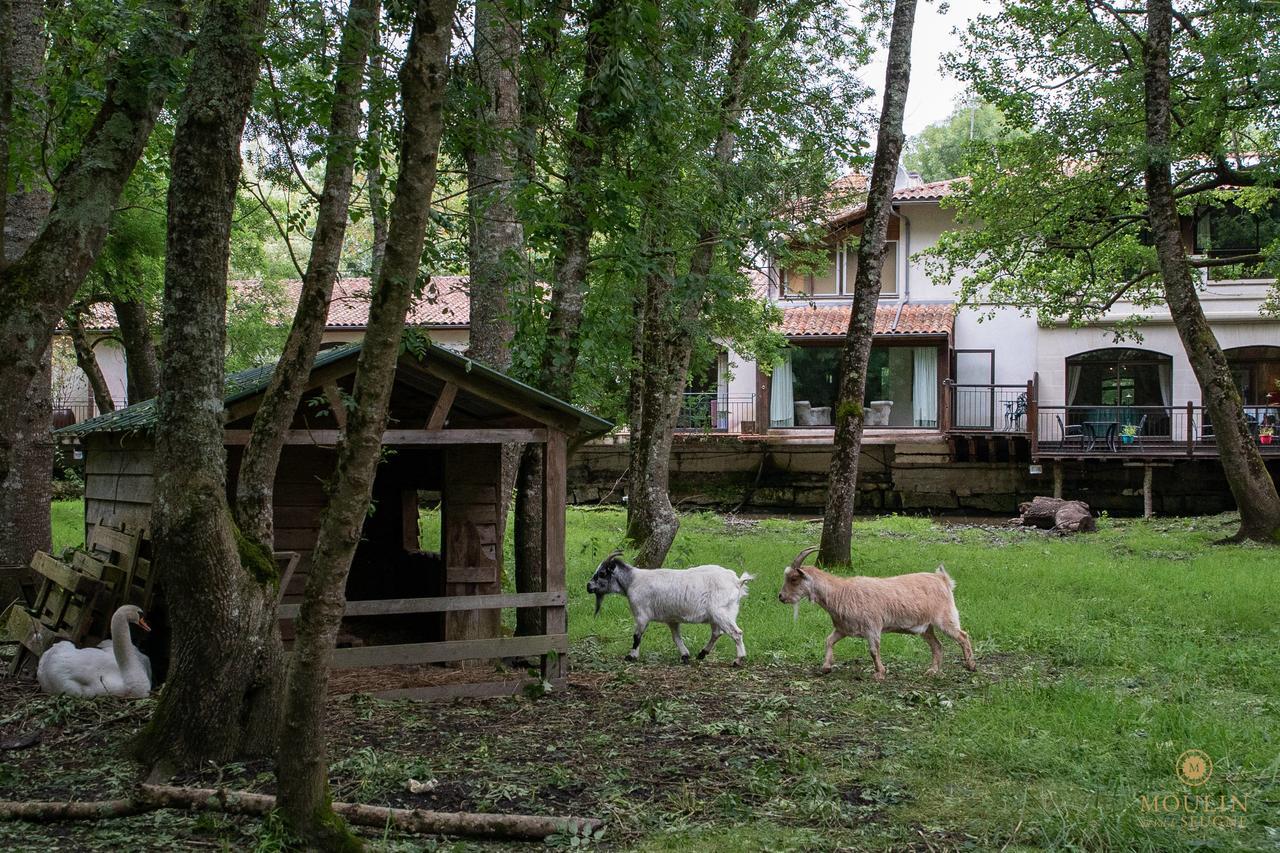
pixel 1101 659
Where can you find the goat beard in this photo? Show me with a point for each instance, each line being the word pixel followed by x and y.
pixel 599 601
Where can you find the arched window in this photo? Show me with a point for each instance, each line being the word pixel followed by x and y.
pixel 1256 371
pixel 1120 376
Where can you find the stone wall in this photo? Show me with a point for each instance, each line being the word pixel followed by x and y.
pixel 726 473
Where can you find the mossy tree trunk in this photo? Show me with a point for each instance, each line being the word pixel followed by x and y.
pixel 142 367
pixel 254 487
pixel 842 476
pixel 226 664
pixel 52 236
pixel 669 320
pixel 1251 485
pixel 87 360
pixel 301 764
pixel 584 154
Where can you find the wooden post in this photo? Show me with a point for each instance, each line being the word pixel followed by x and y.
pixel 1033 419
pixel 1146 491
pixel 1191 429
pixel 1058 477
pixel 554 476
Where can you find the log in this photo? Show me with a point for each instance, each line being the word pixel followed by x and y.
pixel 1058 515
pixel 420 821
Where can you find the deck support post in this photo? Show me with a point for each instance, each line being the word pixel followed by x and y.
pixel 1146 491
pixel 1058 477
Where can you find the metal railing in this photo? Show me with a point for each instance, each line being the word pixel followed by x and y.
pixel 710 412
pixel 77 409
pixel 1163 430
pixel 989 408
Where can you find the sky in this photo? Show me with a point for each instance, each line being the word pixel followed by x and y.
pixel 932 94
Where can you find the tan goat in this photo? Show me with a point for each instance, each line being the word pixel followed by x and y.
pixel 867 607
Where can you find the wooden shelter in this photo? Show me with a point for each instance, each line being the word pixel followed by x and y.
pixel 409 601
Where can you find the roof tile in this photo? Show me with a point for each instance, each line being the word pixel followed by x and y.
pixel 833 321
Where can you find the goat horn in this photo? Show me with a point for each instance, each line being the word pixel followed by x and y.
pixel 617 553
pixel 799 560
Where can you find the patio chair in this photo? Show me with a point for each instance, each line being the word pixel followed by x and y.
pixel 1075 433
pixel 1014 411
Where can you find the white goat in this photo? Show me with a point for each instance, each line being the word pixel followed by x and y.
pixel 696 596
pixel 866 607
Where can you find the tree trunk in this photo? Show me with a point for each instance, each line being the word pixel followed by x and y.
pixel 301 767
pixel 141 367
pixel 497 254
pixel 88 361
pixel 254 488
pixel 221 697
pixel 1251 485
pixel 373 148
pixel 584 153
pixel 48 250
pixel 670 320
pixel 842 476
pixel 26 448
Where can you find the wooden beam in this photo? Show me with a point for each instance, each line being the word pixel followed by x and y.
pixel 1147 508
pixel 443 404
pixel 411 653
pixel 329 437
pixel 474 385
pixel 463 690
pixel 318 379
pixel 554 497
pixel 333 394
pixel 441 604
pixel 1058 477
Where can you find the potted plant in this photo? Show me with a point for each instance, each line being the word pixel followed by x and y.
pixel 1265 434
pixel 1128 433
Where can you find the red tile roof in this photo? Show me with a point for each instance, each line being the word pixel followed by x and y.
pixel 446 303
pixel 833 320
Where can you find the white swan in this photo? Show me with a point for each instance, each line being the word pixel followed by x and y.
pixel 115 667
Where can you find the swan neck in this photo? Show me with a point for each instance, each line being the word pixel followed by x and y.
pixel 122 644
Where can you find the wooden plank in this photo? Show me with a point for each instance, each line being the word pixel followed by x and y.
pixel 554 496
pixel 28 631
pixel 440 411
pixel 473 493
pixel 329 437
pixel 90 565
pixel 387 607
pixel 108 538
pixel 124 487
pixel 63 576
pixel 471 574
pixel 474 385
pixel 464 690
pixel 295 538
pixel 292 515
pixel 135 462
pixel 411 653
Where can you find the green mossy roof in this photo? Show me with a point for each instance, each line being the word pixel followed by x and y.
pixel 247 383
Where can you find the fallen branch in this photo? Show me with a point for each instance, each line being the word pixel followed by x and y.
pixel 155 797
pixel 1060 516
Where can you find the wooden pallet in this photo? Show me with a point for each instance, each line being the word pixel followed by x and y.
pixel 75 601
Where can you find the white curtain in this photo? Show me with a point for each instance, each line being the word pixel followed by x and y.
pixel 782 398
pixel 1073 383
pixel 1166 383
pixel 924 391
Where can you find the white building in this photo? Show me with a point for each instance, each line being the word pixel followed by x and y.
pixel 946 372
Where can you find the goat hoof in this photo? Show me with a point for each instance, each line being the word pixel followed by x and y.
pixel 933 670
pixel 684 659
pixel 630 659
pixel 737 662
pixel 826 670
pixel 701 656
pixel 972 667
pixel 879 676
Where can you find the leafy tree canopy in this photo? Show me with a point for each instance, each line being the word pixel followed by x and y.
pixel 941 150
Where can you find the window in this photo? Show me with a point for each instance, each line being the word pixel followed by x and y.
pixel 839 277
pixel 1256 371
pixel 902 387
pixel 1230 231
pixel 1119 377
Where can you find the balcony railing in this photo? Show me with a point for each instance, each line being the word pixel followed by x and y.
pixel 75 410
pixel 717 413
pixel 989 408
pixel 1160 430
